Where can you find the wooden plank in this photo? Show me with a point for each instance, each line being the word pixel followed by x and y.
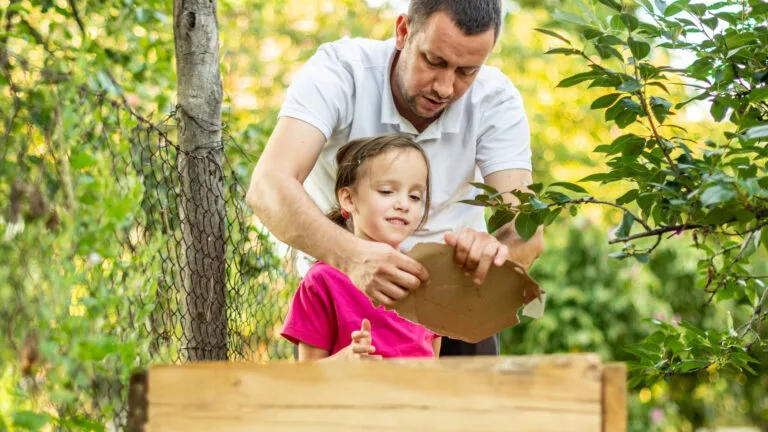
pixel 615 397
pixel 531 393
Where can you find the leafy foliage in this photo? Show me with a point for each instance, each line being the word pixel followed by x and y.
pixel 711 192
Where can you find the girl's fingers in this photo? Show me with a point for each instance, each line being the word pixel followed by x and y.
pixel 363 348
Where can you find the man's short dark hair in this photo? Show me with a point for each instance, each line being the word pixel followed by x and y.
pixel 471 16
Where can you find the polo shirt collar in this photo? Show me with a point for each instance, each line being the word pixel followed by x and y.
pixel 448 122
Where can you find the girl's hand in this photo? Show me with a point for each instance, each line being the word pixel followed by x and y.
pixel 361 347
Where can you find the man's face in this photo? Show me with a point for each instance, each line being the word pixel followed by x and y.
pixel 437 63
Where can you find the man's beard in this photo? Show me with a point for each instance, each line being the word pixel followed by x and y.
pixel 410 101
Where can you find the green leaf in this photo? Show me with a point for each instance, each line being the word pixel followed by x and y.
pixel 526 225
pixel 488 188
pixel 636 380
pixel 628 197
pixel 564 51
pixel 625 119
pixel 590 33
pixel 757 132
pixel 552 216
pixel 569 186
pixel 689 365
pixel 629 86
pixel 660 108
pixel 605 101
pixel 578 78
pixel 538 205
pixel 640 49
pixel 476 202
pixel 82 160
pixel 30 420
pixel 612 112
pixel 613 4
pixel 735 40
pixel 630 21
pixel 642 258
pixel 610 40
pixel 758 94
pixel 764 237
pixel 716 194
pixel 500 218
pixel 553 34
pixel 602 177
pixel 626 225
pixel 751 246
pixel 566 17
pixel 675 8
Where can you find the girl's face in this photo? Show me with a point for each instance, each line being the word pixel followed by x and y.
pixel 386 203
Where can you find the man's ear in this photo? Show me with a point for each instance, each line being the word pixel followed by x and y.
pixel 346 200
pixel 402 31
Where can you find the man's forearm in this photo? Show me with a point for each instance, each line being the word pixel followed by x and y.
pixel 283 206
pixel 521 251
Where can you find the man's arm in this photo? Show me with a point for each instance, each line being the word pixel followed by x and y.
pixel 520 251
pixel 477 251
pixel 277 197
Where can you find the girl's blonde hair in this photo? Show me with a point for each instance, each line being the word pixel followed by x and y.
pixel 353 154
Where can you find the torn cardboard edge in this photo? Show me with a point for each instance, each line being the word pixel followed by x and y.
pixel 450 304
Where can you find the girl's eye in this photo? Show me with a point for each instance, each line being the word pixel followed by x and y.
pixel 385 192
pixel 415 197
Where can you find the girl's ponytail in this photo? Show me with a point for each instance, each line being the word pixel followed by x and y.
pixel 334 214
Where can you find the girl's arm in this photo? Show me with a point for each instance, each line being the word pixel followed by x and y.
pixel 308 352
pixel 360 348
pixel 436 343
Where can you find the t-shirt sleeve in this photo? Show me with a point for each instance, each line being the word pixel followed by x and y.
pixel 311 316
pixel 504 138
pixel 321 92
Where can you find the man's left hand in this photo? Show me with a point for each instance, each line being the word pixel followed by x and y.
pixel 476 252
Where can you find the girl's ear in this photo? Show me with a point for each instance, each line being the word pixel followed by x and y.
pixel 346 199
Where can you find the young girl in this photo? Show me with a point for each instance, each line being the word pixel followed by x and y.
pixel 382 187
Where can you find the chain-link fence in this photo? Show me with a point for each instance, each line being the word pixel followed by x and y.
pixel 241 265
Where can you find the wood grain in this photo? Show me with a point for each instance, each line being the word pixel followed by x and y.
pixel 529 393
pixel 615 397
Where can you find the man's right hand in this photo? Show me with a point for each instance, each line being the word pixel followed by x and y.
pixel 384 274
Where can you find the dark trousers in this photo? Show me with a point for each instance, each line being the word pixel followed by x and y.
pixel 453 347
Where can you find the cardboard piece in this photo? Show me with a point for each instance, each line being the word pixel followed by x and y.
pixel 452 305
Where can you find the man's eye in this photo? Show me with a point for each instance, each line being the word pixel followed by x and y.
pixel 468 72
pixel 430 62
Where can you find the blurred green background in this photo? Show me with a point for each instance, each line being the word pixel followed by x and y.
pixel 67 284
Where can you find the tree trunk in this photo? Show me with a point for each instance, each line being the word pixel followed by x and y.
pixel 196 34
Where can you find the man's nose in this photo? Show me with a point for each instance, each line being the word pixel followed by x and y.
pixel 443 84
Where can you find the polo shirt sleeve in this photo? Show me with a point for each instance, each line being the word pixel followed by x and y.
pixel 321 92
pixel 504 136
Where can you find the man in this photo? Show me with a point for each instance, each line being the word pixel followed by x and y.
pixel 429 82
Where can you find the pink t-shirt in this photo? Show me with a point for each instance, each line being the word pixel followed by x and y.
pixel 327 308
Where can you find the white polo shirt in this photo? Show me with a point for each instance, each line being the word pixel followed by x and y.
pixel 344 91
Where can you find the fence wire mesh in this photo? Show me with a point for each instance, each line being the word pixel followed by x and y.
pixel 241 264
